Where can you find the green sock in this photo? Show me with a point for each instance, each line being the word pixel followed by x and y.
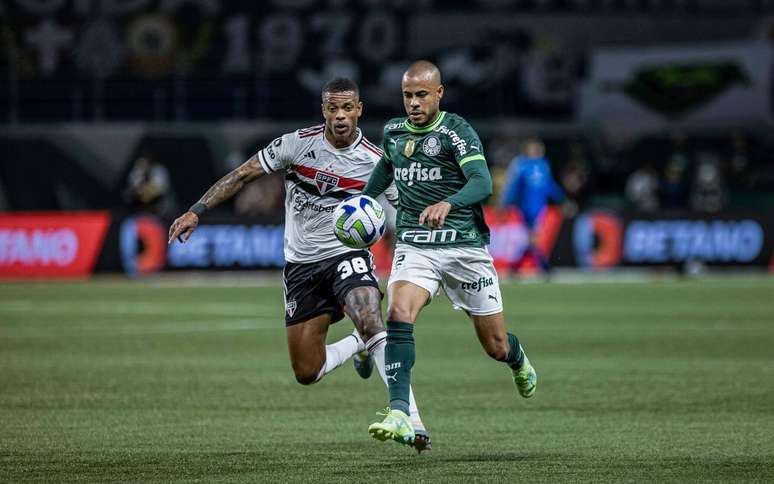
pixel 515 358
pixel 398 361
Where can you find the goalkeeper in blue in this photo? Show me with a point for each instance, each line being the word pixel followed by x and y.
pixel 530 187
pixel 437 163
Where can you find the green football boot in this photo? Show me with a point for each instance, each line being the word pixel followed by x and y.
pixel 395 426
pixel 525 378
pixel 364 364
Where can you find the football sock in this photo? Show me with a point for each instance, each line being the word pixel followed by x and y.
pixel 515 358
pixel 399 359
pixel 339 352
pixel 376 346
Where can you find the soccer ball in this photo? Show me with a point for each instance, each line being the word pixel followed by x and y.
pixel 358 221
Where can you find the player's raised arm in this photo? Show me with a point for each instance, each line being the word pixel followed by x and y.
pixel 221 191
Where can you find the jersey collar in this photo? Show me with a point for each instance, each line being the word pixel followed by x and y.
pixel 424 129
pixel 358 139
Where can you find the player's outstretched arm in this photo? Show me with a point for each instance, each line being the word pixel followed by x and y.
pixel 381 178
pixel 222 190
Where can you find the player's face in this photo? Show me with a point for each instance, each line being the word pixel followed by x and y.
pixel 341 110
pixel 534 149
pixel 421 98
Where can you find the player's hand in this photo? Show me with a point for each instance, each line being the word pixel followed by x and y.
pixel 182 228
pixel 435 215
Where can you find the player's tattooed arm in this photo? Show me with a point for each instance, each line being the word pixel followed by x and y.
pixel 230 184
pixel 364 306
pixel 222 190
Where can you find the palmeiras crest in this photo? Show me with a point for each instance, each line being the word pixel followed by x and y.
pixel 325 182
pixel 431 146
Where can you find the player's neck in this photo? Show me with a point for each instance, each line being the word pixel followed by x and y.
pixel 347 142
pixel 428 122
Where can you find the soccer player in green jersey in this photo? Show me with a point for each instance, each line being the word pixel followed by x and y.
pixel 437 162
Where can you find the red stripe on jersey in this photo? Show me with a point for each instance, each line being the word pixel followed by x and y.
pixel 311 128
pixel 344 183
pixel 309 135
pixel 313 131
pixel 370 147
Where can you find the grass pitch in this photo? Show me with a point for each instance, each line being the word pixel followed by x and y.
pixel 151 382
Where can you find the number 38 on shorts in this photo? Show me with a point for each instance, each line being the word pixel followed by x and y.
pixel 355 265
pixel 321 287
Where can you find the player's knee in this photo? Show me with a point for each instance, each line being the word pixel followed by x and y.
pixel 306 375
pixel 369 324
pixel 399 312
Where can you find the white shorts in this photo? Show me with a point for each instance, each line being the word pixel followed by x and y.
pixel 467 275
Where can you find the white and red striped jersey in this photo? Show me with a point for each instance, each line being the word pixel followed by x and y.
pixel 317 177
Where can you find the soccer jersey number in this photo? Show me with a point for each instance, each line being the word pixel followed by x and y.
pixel 358 265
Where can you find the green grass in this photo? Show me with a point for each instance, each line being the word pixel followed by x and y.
pixel 122 381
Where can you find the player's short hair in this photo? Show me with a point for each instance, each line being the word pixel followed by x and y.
pixel 340 84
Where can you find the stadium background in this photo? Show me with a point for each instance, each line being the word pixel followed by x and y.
pixel 612 87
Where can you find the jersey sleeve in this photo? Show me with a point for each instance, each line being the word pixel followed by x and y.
pixel 280 153
pixel 391 194
pixel 468 148
pixel 381 180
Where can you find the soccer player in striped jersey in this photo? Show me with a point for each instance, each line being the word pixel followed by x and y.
pixel 323 279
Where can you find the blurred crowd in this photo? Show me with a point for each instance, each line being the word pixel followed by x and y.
pixel 699 182
pixel 672 172
pixel 707 174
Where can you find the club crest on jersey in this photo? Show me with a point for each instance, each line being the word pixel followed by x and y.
pixel 325 182
pixel 431 146
pixel 408 150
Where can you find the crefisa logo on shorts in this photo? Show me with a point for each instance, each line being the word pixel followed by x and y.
pixel 481 283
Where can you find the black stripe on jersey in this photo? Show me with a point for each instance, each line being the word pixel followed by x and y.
pixel 313 190
pixel 360 137
pixel 263 163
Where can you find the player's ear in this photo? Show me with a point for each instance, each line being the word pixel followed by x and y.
pixel 359 108
pixel 440 91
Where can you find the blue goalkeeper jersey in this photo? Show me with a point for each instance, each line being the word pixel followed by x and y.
pixel 530 186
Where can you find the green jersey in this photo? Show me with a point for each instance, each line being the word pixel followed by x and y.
pixel 426 164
